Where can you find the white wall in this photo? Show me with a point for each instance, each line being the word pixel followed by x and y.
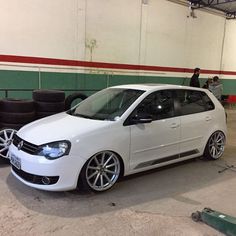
pixel 39 28
pixel 159 33
pixel 166 34
pixel 205 40
pixel 229 56
pixel 115 25
pixel 126 31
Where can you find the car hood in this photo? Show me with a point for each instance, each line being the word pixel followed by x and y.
pixel 61 126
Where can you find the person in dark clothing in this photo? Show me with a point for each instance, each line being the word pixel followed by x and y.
pixel 194 82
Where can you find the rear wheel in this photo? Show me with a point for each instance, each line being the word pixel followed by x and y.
pixel 6 136
pixel 215 146
pixel 101 171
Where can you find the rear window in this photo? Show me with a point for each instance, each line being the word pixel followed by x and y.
pixel 192 101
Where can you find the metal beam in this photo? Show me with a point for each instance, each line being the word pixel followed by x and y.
pixel 213 4
pixel 196 4
pixel 231 15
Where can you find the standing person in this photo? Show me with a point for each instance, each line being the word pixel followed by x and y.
pixel 207 84
pixel 194 82
pixel 216 87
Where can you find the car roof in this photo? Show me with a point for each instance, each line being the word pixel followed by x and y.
pixel 150 87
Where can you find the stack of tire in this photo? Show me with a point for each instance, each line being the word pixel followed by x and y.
pixel 14 113
pixel 73 98
pixel 48 102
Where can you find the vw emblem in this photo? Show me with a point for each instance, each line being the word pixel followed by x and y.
pixel 20 145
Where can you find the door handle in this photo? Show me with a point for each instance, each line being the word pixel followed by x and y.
pixel 174 125
pixel 208 118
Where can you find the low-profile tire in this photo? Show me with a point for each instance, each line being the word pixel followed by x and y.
pixel 11 126
pixel 50 106
pixel 215 146
pixel 16 118
pixel 72 97
pixel 48 96
pixel 100 172
pixel 16 105
pixel 6 136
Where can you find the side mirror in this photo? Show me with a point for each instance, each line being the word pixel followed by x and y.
pixel 141 119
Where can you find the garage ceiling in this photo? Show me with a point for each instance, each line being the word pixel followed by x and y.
pixel 226 6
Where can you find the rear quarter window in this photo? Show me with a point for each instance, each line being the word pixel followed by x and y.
pixel 192 101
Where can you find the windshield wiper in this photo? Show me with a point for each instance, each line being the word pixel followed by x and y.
pixel 70 112
pixel 83 116
pixel 86 116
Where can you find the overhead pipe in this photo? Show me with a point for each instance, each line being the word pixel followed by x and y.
pixel 211 11
pixel 222 48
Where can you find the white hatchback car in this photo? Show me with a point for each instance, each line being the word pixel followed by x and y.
pixel 118 131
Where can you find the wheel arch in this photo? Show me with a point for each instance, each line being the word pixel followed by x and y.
pixel 122 165
pixel 108 150
pixel 205 152
pixel 216 129
pixel 122 171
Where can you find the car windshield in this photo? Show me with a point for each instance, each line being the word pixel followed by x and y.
pixel 108 104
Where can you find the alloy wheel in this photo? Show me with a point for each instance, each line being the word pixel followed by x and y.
pixel 6 136
pixel 216 145
pixel 102 171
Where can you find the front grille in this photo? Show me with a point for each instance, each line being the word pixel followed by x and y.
pixel 26 147
pixel 34 179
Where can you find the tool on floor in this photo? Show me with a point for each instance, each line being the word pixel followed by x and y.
pixel 225 167
pixel 218 220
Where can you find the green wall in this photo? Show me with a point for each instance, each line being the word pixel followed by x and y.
pixel 26 81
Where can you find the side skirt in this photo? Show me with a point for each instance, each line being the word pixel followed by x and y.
pixel 166 159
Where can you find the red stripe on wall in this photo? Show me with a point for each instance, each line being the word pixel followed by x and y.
pixel 104 65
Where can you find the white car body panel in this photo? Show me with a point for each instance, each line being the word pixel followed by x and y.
pixel 154 141
pixel 67 166
pixel 59 126
pixel 137 145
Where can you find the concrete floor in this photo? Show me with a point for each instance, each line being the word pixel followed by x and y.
pixel 158 202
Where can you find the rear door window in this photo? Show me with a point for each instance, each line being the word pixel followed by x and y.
pixel 192 101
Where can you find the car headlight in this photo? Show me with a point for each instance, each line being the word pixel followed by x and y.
pixel 54 150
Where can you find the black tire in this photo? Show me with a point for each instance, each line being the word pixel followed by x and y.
pixel 215 146
pixel 17 118
pixel 11 126
pixel 48 96
pixel 88 175
pixel 69 99
pixel 16 105
pixel 50 106
pixel 43 114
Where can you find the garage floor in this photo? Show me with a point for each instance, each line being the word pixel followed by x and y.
pixel 159 202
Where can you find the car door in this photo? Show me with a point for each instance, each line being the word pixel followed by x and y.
pixel 158 141
pixel 196 120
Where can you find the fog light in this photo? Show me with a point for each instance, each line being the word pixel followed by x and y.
pixel 45 180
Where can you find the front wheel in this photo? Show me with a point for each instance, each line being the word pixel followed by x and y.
pixel 215 146
pixel 6 136
pixel 100 172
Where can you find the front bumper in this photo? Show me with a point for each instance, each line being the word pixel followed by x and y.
pixel 63 173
